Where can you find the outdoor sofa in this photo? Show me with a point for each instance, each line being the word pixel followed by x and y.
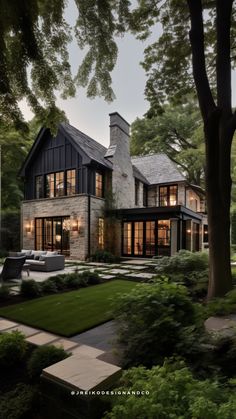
pixel 39 260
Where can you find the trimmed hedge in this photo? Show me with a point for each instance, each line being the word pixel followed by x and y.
pixel 43 357
pixel 12 349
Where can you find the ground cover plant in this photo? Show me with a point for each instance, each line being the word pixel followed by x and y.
pixel 71 312
pixel 171 391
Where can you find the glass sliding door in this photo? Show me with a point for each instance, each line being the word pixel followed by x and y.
pixel 138 238
pixel 53 234
pixel 127 238
pixel 163 237
pixel 150 238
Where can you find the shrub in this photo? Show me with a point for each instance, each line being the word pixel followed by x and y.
pixel 183 262
pixel 49 287
pixel 92 278
pixel 171 391
pixel 223 306
pixel 75 280
pixel 43 357
pixel 155 321
pixel 12 349
pixel 104 256
pixel 17 403
pixel 59 281
pixel 30 288
pixel 4 292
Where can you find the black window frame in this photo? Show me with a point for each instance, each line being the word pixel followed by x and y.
pixel 136 191
pixel 42 186
pixel 168 195
pixel 102 183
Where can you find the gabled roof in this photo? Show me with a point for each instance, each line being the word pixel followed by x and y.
pixel 157 168
pixel 91 148
pixel 138 175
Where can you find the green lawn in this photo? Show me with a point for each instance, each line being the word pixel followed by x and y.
pixel 71 312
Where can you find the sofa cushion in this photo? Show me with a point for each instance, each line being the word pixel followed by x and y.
pixel 52 253
pixel 38 253
pixel 42 257
pixel 26 252
pixel 35 262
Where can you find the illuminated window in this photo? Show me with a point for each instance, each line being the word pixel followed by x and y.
pixel 127 238
pixel 101 233
pixel 163 233
pixel 50 187
pixel 168 195
pixel 136 191
pixel 55 185
pixel 70 182
pixel 38 187
pixel 138 238
pixel 99 185
pixel 59 184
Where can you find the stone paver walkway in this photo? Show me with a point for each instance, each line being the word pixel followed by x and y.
pixel 83 369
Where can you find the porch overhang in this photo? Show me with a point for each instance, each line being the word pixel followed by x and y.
pixel 146 213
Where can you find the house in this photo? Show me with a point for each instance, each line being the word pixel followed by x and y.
pixel 80 197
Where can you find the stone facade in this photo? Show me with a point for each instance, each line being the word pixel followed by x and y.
pixel 122 176
pixel 76 207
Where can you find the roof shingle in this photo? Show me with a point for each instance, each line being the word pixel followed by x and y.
pixel 157 168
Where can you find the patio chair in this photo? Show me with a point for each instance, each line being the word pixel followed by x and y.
pixel 12 268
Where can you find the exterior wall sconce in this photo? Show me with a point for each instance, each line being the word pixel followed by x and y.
pixel 75 225
pixel 188 231
pixel 28 227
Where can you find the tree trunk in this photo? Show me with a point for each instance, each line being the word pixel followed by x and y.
pixel 218 181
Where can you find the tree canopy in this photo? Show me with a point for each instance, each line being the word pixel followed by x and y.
pixel 178 132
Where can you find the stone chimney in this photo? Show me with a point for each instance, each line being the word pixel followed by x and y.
pixel 119 154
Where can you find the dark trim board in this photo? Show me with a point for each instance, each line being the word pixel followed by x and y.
pixel 177 211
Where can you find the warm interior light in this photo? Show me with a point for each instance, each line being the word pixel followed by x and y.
pixel 28 227
pixel 188 231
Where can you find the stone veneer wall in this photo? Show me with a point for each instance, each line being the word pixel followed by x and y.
pixel 74 206
pixel 122 176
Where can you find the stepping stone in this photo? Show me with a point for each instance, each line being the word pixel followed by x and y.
pixel 26 330
pixel 136 268
pixel 65 343
pixel 107 276
pixel 134 262
pixel 119 271
pixel 80 373
pixel 217 324
pixel 42 338
pixel 86 351
pixel 96 264
pixel 6 324
pixel 142 275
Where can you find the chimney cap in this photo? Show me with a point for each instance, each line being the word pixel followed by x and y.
pixel 117 114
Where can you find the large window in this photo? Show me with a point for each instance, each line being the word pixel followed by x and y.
pixel 138 238
pixel 55 185
pixel 99 185
pixel 150 238
pixel 70 182
pixel 168 195
pixel 136 186
pixel 39 187
pixel 53 233
pixel 127 238
pixel 101 233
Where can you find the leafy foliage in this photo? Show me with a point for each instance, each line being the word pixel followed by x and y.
pixel 17 403
pixel 155 321
pixel 172 392
pixel 30 288
pixel 178 133
pixel 223 306
pixel 12 349
pixel 104 256
pixel 43 357
pixel 183 262
pixel 4 292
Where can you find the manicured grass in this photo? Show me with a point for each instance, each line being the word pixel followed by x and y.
pixel 72 312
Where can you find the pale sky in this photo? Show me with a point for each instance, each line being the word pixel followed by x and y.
pixel 92 115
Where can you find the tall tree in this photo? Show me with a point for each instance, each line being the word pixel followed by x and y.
pixel 178 132
pixel 195 50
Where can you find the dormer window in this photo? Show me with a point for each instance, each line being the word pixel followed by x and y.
pixel 168 195
pixel 99 192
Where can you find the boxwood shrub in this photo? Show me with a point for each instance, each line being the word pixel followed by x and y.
pixel 30 289
pixel 44 356
pixel 12 349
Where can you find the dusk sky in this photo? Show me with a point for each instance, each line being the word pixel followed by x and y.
pixel 92 115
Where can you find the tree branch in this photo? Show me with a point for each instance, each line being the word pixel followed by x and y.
pixel 196 34
pixel 223 66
